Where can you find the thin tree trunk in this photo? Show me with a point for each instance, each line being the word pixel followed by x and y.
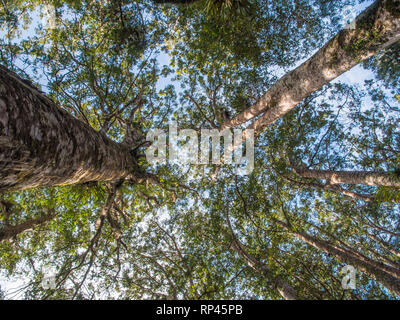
pixel 8 232
pixel 385 245
pixel 43 145
pixel 359 196
pixel 365 265
pixel 389 268
pixel 370 178
pixel 379 228
pixel 330 187
pixel 285 290
pixel 376 28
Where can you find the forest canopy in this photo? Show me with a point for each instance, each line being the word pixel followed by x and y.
pixel 85 215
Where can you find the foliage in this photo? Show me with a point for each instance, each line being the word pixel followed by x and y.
pixel 131 66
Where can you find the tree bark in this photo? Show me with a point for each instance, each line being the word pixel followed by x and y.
pixel 370 178
pixel 385 245
pixel 285 289
pixel 43 145
pixel 8 232
pixel 376 28
pixel 330 187
pixel 389 280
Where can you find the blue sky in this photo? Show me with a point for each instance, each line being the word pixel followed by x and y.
pixel 357 75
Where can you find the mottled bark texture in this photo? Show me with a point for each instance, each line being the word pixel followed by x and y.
pixel 388 276
pixel 376 28
pixel 285 289
pixel 370 178
pixel 8 231
pixel 43 145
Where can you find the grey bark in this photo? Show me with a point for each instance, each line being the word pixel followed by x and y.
pixel 370 178
pixel 329 187
pixel 43 145
pixel 376 28
pixel 285 289
pixel 386 275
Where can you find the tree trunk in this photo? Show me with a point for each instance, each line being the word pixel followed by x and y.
pixel 369 178
pixel 43 145
pixel 385 245
pixel 8 232
pixel 284 289
pixel 330 187
pixel 390 281
pixel 376 28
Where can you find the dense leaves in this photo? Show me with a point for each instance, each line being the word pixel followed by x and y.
pixel 125 67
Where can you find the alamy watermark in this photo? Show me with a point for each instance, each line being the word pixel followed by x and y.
pixel 49 279
pixel 349 279
pixel 48 16
pixel 185 147
pixel 349 16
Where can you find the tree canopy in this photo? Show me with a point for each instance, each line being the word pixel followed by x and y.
pixel 325 190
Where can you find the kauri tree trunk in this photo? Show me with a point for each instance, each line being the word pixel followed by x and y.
pixel 376 28
pixel 370 178
pixel 285 289
pixel 390 280
pixel 43 145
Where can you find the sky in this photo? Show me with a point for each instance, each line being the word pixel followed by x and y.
pixel 356 75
